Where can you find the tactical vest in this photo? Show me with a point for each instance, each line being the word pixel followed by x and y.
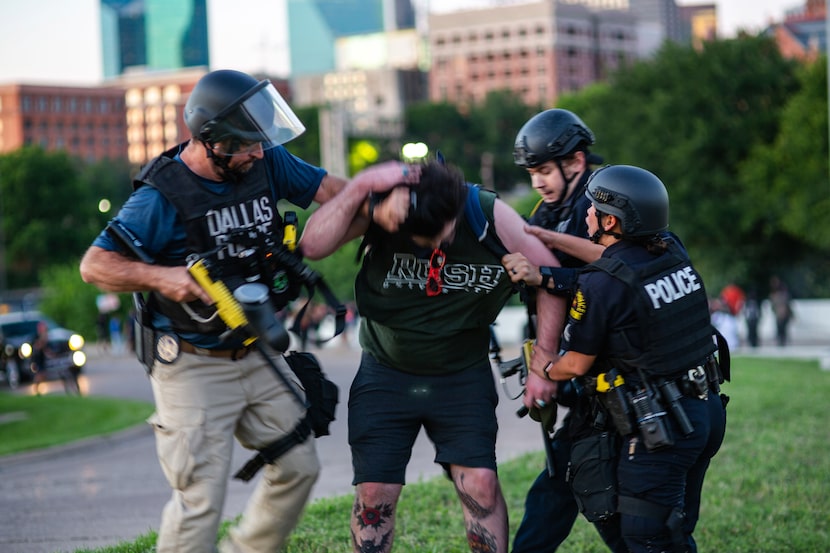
pixel 673 313
pixel 209 218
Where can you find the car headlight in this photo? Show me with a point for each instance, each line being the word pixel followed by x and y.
pixel 79 358
pixel 25 350
pixel 76 342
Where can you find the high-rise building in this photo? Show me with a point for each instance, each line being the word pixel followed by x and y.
pixel 153 35
pixel 658 21
pixel 315 25
pixel 803 33
pixel 86 122
pixel 538 49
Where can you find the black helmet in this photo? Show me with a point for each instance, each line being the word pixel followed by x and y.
pixel 552 134
pixel 635 196
pixel 228 104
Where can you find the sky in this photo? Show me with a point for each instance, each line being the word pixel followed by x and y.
pixel 58 41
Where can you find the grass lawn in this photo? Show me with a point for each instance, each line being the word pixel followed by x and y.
pixel 766 491
pixel 33 422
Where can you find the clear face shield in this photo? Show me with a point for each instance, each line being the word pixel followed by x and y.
pixel 261 119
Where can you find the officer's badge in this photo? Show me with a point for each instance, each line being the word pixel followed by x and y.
pixel 578 306
pixel 167 348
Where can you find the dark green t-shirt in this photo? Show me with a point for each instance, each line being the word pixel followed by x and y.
pixel 404 328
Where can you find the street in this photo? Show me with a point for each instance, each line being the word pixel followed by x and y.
pixel 107 490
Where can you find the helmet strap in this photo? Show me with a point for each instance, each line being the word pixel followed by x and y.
pixel 222 163
pixel 600 232
pixel 568 181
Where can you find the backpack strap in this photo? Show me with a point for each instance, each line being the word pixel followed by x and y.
pixel 482 229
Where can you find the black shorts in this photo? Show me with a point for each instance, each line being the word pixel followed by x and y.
pixel 387 409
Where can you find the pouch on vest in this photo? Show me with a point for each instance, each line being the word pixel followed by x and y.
pixel 592 474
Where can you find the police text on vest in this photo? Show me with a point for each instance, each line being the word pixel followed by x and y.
pixel 672 287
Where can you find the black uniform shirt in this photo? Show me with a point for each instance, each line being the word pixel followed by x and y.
pixel 568 218
pixel 604 305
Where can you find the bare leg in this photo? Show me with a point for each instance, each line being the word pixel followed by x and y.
pixel 485 511
pixel 373 517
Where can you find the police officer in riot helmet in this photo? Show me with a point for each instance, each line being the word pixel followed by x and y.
pixel 194 202
pixel 639 327
pixel 232 115
pixel 553 146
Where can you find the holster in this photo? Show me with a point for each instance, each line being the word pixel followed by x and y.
pixel 592 474
pixel 145 334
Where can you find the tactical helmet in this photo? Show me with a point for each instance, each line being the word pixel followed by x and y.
pixel 227 104
pixel 635 196
pixel 552 134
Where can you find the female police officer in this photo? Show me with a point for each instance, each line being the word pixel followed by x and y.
pixel 641 310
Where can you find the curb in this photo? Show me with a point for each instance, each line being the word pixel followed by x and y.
pixel 85 444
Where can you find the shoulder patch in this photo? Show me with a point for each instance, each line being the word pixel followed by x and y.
pixel 578 306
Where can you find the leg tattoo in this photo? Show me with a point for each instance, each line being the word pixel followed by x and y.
pixel 481 540
pixel 371 519
pixel 476 509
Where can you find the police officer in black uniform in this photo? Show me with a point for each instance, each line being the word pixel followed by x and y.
pixel 553 146
pixel 639 329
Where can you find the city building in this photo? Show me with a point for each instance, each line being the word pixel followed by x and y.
pixel 658 21
pixel 153 35
pixel 538 50
pixel 314 26
pixel 154 102
pixel 154 105
pixel 803 33
pixel 87 122
pixel 134 117
pixel 701 22
pixel 376 76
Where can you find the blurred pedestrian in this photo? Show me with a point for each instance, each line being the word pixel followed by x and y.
pixel 780 301
pixel 40 352
pixel 752 316
pixel 733 296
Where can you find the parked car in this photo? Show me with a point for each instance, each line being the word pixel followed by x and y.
pixel 17 334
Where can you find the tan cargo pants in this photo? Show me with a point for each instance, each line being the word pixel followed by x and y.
pixel 202 403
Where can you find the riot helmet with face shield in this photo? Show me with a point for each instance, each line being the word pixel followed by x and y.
pixel 236 110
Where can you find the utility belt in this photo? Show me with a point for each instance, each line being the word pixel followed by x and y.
pixel 644 407
pixel 153 345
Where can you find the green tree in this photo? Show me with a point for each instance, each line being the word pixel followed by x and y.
pixel 45 212
pixel 788 189
pixel 493 127
pixel 442 126
pixel 307 145
pixel 693 117
pixel 108 179
pixel 69 300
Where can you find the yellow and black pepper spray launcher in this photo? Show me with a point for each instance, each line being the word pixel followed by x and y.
pixel 247 311
pixel 229 309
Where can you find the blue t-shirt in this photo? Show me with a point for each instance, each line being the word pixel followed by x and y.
pixel 154 220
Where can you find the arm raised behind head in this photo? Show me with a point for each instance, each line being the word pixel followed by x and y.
pixel 340 219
